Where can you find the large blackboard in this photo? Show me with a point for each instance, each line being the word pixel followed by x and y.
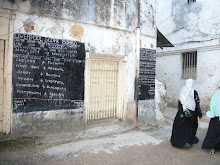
pixel 48 73
pixel 147 74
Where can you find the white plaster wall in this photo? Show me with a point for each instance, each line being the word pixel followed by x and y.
pixel 181 22
pixel 100 39
pixel 108 29
pixel 189 27
pixel 117 37
pixel 160 101
pixel 168 71
pixel 148 42
pixel 97 40
pixel 148 17
pixel 208 72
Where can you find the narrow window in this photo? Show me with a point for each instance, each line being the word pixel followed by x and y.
pixel 191 1
pixel 189 65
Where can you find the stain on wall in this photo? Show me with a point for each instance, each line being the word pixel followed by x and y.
pixel 146 114
pixel 77 31
pixel 28 25
pixel 193 22
pixel 44 122
pixel 147 18
pixel 180 15
pixel 105 26
pixel 117 13
pixel 131 14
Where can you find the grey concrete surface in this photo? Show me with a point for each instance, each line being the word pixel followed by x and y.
pixel 170 113
pixel 92 130
pixel 119 146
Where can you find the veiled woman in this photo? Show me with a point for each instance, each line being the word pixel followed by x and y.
pixel 186 121
pixel 212 139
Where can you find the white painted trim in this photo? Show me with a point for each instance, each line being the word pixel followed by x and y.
pixel 8 60
pixel 120 81
pixel 180 51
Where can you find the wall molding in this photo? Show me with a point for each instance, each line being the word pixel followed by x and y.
pixel 180 51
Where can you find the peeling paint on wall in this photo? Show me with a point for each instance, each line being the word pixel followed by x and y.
pixel 131 16
pixel 105 26
pixel 146 114
pixel 152 45
pixel 194 22
pixel 35 123
pixel 77 31
pixel 28 25
pixel 147 18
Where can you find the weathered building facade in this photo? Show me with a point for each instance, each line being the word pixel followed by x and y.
pixel 64 63
pixel 193 28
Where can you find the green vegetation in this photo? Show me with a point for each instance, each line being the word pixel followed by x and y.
pixel 17 143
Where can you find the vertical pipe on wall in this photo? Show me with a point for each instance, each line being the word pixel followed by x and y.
pixel 137 63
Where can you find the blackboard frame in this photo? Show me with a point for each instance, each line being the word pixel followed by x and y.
pixel 147 74
pixel 48 73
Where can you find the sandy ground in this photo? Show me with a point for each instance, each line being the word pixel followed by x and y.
pixel 133 147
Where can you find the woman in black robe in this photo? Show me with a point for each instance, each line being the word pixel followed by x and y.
pixel 186 121
pixel 212 139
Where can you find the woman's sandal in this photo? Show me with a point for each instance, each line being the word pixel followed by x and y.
pixel 212 152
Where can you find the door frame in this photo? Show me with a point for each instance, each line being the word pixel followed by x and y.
pixel 120 82
pixel 6 33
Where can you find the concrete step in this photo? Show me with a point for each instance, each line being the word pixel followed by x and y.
pixel 90 131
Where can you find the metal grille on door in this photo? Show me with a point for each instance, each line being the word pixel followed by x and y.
pixel 103 89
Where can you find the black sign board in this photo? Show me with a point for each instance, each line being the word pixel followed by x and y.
pixel 147 74
pixel 48 73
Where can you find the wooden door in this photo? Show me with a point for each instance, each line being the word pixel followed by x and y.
pixel 103 89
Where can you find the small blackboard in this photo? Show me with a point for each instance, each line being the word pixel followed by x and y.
pixel 147 74
pixel 48 73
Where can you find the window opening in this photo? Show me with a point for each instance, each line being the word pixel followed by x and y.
pixel 189 65
pixel 191 1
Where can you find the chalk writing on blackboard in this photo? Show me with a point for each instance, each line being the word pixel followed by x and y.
pixel 48 73
pixel 147 74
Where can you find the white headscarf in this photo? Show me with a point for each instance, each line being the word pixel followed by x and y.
pixel 187 96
